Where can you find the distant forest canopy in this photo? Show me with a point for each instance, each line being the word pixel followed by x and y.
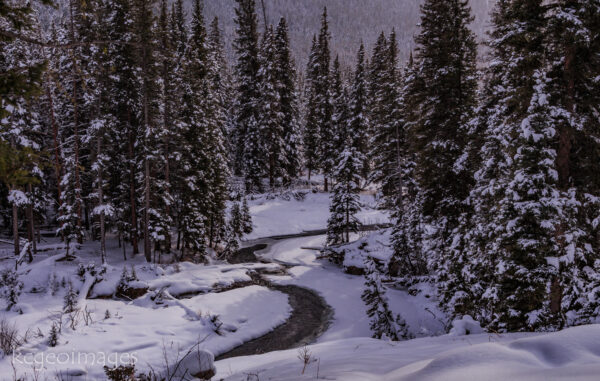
pixel 352 21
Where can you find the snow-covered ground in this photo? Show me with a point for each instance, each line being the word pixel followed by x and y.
pixel 288 215
pixel 573 354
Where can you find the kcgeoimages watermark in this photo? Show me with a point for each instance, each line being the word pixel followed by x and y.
pixel 41 360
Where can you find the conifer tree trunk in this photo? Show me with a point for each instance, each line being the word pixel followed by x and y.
pixel 30 228
pixel 563 160
pixel 15 227
pixel 76 126
pixel 100 201
pixel 57 165
pixel 134 222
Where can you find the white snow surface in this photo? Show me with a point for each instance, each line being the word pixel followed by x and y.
pixel 278 216
pixel 572 354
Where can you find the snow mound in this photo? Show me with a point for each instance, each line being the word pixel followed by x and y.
pixel 465 326
pixel 572 354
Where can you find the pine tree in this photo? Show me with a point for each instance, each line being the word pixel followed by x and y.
pixel 389 148
pixel 122 104
pixel 446 46
pixel 195 160
pixel 286 87
pixel 271 116
pixel 340 115
pixel 217 103
pixel 572 38
pixel 248 158
pixel 358 121
pixel 345 200
pixel 246 218
pixel 383 324
pixel 311 136
pixel 321 92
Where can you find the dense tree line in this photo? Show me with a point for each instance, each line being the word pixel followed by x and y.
pixel 136 127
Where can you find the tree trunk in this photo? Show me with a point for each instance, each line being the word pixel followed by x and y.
pixel 30 229
pixel 326 184
pixel 15 226
pixel 75 122
pixel 134 233
pixel 563 159
pixel 57 165
pixel 100 202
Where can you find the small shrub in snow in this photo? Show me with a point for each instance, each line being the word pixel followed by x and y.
pixel 9 338
pixel 10 287
pixel 70 300
pixel 247 227
pixel 53 335
pixel 305 355
pixel 217 324
pixel 107 315
pixel 53 284
pixel 120 373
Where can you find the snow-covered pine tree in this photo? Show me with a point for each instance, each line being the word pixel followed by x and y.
pixel 407 236
pixel 248 144
pixel 195 161
pixel 340 114
pixel 123 103
pixel 20 130
pixel 345 199
pixel 286 78
pixel 377 73
pixel 358 121
pixel 389 148
pixel 439 130
pixel 271 116
pixel 98 134
pixel 321 89
pixel 217 103
pixel 246 217
pixel 155 195
pixel 168 105
pixel 383 324
pixel 572 38
pixel 311 135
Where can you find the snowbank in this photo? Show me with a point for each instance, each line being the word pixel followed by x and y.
pixel 573 354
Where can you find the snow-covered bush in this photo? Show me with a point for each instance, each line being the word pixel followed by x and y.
pixel 383 323
pixel 70 300
pixel 53 335
pixel 10 287
pixel 465 326
pixel 53 284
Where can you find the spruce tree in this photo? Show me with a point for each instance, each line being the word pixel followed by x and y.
pixel 271 116
pixel 195 160
pixel 389 146
pixel 382 324
pixel 340 115
pixel 358 121
pixel 217 104
pixel 311 136
pixel 345 199
pixel 286 87
pixel 322 98
pixel 249 149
